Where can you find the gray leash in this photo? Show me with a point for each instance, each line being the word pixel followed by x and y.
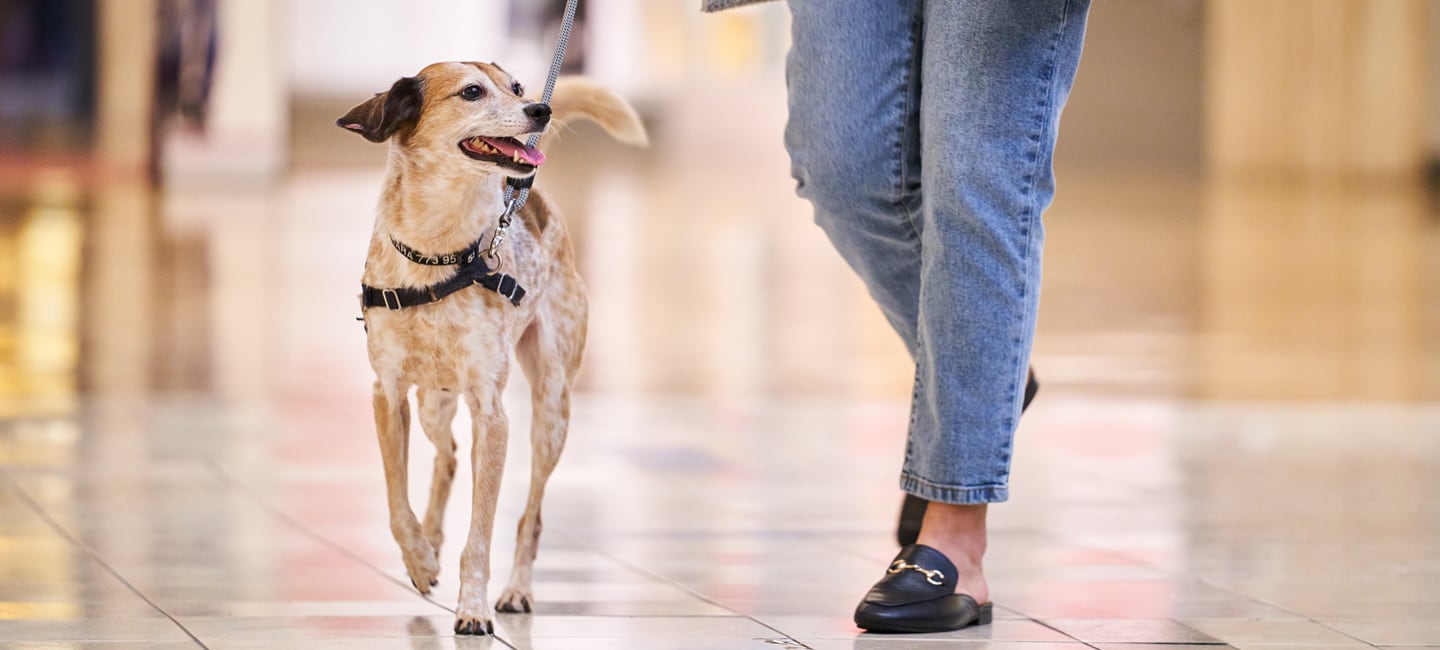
pixel 514 200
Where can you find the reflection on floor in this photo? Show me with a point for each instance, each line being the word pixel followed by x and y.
pixel 1235 445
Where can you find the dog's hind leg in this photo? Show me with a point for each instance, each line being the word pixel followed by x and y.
pixel 437 411
pixel 392 425
pixel 487 464
pixel 549 352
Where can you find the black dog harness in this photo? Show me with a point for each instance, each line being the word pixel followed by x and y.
pixel 473 270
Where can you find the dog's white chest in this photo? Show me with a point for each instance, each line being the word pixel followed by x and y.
pixel 448 345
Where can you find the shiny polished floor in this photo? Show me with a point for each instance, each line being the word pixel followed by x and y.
pixel 1237 444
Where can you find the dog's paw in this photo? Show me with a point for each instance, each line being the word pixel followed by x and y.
pixel 424 591
pixel 474 626
pixel 423 568
pixel 513 601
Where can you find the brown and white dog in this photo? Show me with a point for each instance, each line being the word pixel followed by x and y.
pixel 454 132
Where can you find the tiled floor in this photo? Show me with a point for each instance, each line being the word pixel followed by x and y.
pixel 235 526
pixel 1237 444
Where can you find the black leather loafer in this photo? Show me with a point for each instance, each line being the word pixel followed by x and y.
pixel 917 594
pixel 912 512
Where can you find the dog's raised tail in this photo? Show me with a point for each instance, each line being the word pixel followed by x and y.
pixel 579 98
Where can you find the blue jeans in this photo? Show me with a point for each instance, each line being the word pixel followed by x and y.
pixel 922 133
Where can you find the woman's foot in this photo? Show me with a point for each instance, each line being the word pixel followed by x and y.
pixel 959 533
pixel 937 584
pixel 917 594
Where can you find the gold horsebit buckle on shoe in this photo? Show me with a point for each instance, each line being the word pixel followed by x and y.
pixel 932 576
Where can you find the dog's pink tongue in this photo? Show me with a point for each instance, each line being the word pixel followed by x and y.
pixel 511 147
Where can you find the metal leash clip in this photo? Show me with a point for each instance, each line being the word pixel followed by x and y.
pixel 499 237
pixel 495 241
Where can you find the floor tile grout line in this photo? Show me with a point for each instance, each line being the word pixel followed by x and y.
pixel 1122 555
pixel 1063 537
pixel 60 530
pixel 283 517
pixel 677 585
pixel 1166 571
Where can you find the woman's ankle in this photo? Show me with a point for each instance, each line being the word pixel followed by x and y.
pixel 959 532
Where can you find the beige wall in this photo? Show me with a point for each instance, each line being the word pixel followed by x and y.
pixel 1329 87
pixel 1137 98
pixel 1141 94
pixel 1435 81
pixel 125 82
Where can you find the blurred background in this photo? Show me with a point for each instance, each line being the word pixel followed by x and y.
pixel 1242 210
pixel 1245 224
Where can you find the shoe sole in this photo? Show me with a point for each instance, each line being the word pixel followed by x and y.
pixel 984 616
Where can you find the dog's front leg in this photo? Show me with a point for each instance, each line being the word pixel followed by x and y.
pixel 437 411
pixel 392 424
pixel 550 356
pixel 487 465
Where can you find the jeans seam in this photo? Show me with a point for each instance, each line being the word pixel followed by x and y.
pixel 1027 253
pixel 911 75
pixel 914 404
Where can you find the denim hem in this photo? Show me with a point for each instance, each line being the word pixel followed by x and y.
pixel 953 494
pixel 721 5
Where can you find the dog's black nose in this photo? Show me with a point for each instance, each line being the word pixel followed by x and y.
pixel 538 111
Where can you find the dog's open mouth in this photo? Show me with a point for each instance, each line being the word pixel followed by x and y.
pixel 506 152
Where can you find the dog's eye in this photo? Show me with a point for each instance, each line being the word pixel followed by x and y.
pixel 472 92
pixel 519 89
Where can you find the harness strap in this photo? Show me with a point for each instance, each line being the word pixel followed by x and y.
pixel 473 270
pixel 473 274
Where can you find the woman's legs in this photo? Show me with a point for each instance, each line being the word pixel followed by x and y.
pixel 922 132
pixel 853 136
pixel 994 79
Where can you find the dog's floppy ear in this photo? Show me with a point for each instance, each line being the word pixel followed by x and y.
pixel 393 111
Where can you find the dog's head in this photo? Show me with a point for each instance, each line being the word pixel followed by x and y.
pixel 475 110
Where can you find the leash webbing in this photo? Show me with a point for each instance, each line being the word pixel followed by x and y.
pixel 515 199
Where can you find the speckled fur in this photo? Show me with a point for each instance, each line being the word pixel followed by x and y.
pixel 437 200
